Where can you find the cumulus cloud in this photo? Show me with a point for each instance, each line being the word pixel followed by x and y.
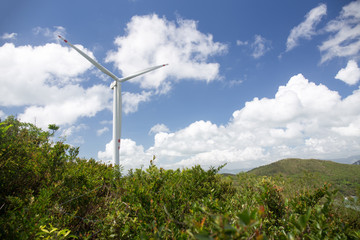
pixel 351 130
pixel 260 46
pixel 159 128
pixel 345 34
pixel 45 80
pixel 350 74
pixel 84 103
pixel 132 100
pixel 28 71
pixel 131 155
pixel 303 119
pixel 9 36
pixel 306 29
pixel 180 44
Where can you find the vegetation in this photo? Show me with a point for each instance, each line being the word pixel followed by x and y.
pixel 344 177
pixel 47 192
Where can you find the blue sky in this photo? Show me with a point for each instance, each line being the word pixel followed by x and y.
pixel 248 82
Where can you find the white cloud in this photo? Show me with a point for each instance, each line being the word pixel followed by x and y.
pixel 350 74
pixel 345 30
pixel 106 156
pixel 105 122
pixel 131 101
pixel 9 36
pixel 351 130
pixel 159 128
pixel 2 115
pixel 218 157
pixel 84 103
pixel 303 120
pixel 241 43
pixel 45 80
pixel 131 155
pixel 180 44
pixel 78 140
pixel 67 132
pixel 102 131
pixel 28 71
pixel 234 82
pixel 260 46
pixel 306 29
pixel 51 34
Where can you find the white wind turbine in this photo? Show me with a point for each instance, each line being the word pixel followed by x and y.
pixel 117 102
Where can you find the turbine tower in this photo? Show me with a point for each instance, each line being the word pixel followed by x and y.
pixel 117 101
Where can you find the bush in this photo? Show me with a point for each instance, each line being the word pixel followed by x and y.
pixel 47 192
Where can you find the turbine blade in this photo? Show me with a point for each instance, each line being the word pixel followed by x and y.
pixel 142 72
pixel 96 64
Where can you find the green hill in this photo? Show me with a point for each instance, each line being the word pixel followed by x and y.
pixel 345 177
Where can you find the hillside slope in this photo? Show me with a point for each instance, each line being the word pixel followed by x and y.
pixel 345 177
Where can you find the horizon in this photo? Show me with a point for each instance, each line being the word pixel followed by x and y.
pixel 248 83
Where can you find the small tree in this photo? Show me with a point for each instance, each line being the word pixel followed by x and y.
pixel 53 128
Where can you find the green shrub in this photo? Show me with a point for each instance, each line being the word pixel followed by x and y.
pixel 47 192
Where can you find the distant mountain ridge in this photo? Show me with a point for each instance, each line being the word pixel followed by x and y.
pixel 346 177
pixel 347 160
pixel 357 162
pixel 233 171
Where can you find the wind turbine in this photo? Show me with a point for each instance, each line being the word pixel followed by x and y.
pixel 117 102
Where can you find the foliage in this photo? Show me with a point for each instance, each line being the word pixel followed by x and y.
pixel 53 233
pixel 47 192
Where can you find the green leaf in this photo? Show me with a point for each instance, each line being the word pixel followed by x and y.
pixel 245 217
